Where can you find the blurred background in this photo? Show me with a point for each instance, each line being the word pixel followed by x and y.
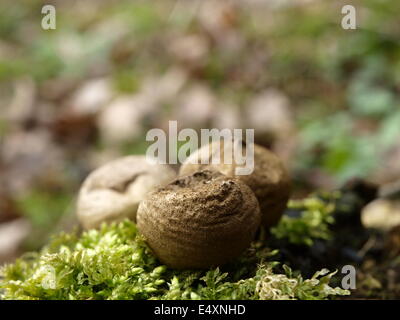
pixel 327 100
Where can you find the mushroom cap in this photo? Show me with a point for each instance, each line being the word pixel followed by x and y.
pixel 381 214
pixel 269 180
pixel 199 221
pixel 113 192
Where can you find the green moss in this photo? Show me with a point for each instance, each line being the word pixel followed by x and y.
pixel 115 263
pixel 315 217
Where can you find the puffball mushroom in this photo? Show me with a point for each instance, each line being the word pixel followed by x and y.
pixel 269 181
pixel 199 221
pixel 113 192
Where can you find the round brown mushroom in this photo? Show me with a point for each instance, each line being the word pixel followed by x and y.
pixel 199 221
pixel 113 192
pixel 269 180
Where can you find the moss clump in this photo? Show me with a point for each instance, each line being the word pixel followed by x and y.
pixel 115 263
pixel 313 217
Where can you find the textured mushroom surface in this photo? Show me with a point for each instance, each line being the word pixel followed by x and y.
pixel 269 181
pixel 113 192
pixel 199 221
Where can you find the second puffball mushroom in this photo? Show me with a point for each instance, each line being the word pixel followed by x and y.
pixel 113 192
pixel 199 221
pixel 269 181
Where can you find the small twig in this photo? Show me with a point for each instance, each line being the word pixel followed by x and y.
pixel 367 246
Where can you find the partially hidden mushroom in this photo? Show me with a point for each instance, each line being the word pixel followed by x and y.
pixel 269 180
pixel 113 192
pixel 199 221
